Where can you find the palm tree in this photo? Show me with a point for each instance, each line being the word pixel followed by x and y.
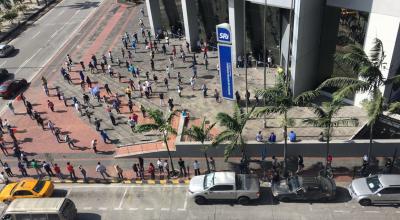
pixel 163 125
pixel 279 99
pixel 234 128
pixel 325 114
pixel 201 133
pixel 370 80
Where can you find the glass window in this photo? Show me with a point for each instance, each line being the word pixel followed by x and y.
pixel 39 186
pixel 22 193
pixel 38 217
pixel 373 183
pixel 53 217
pixel 391 190
pixel 222 188
pixel 22 216
pixel 209 180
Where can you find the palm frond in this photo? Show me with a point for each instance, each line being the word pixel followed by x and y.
pixel 156 115
pixel 146 127
pixel 338 82
pixel 228 150
pixel 375 107
pixel 227 121
pixel 377 54
pixel 314 122
pixel 226 135
pixel 359 86
pixel 395 80
pixel 318 111
pixel 306 97
pixel 266 110
pixel 355 58
pixel 394 108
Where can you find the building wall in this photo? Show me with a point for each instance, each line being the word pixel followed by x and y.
pixel 385 7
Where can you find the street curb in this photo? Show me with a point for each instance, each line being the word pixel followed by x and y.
pixel 136 182
pixel 23 23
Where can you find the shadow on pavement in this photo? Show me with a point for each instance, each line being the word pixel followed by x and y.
pixel 59 193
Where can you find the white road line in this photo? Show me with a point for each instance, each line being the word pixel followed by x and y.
pixel 133 209
pixel 149 209
pixel 77 12
pixel 341 211
pixel 61 12
pixel 398 212
pixel 118 208
pixel 103 208
pixel 26 61
pixel 87 208
pixel 54 34
pixel 36 34
pixel 164 209
pixel 184 204
pixel 372 211
pixel 3 63
pixel 68 193
pixel 122 199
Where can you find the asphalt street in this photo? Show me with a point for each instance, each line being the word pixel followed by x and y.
pixel 119 201
pixel 44 38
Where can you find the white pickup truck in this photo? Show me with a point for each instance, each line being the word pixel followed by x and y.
pixel 224 186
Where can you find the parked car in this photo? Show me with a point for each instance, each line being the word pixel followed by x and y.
pixel 10 88
pixel 304 188
pixel 224 186
pixel 376 189
pixel 28 188
pixel 6 49
pixel 4 75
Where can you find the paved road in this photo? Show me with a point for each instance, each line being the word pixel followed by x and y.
pixel 41 41
pixel 118 201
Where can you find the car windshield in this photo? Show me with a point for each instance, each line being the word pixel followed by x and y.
pixel 39 186
pixel 373 183
pixel 3 87
pixel 209 180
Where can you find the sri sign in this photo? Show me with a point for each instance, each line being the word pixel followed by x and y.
pixel 225 60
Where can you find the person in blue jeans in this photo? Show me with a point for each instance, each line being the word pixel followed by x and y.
pixel 272 137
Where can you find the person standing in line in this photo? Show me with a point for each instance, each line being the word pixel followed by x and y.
pixel 7 169
pixel 160 166
pixel 71 171
pixel 119 171
pixel 141 167
pixel 130 106
pixel 51 126
pixel 196 168
pixel 35 165
pixel 212 164
pixel 182 168
pixel 3 147
pixel 47 168
pixel 83 172
pixel 69 141
pixel 105 137
pixel 57 170
pixel 100 168
pixel 94 145
pixel 151 170
pixel 259 137
pixel 22 169
pixel 300 164
pixel 97 123
pixel 4 178
pixel 166 168
pixel 135 170
pixel 57 133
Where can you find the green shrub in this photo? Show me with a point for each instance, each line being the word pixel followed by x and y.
pixel 10 15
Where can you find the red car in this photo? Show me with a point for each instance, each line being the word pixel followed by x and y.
pixel 11 88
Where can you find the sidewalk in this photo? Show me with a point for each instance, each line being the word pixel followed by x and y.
pixel 33 10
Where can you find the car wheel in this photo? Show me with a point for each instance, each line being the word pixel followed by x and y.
pixel 365 202
pixel 243 200
pixel 200 200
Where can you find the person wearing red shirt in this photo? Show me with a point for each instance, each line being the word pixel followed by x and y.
pixel 151 170
pixel 71 171
pixel 50 105
pixel 57 170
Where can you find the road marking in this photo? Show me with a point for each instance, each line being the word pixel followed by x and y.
pixel 68 193
pixel 184 204
pixel 3 63
pixel 26 61
pixel 87 208
pixel 122 199
pixel 123 186
pixel 149 209
pixel 103 208
pixel 164 209
pixel 36 34
pixel 341 211
pixel 53 35
pixel 133 209
pixel 398 212
pixel 59 14
pixel 372 211
pixel 77 12
pixel 118 208
pixel 310 207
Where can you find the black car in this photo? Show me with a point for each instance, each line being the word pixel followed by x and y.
pixel 6 49
pixel 4 75
pixel 11 88
pixel 304 188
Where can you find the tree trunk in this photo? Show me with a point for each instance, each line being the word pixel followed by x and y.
pixel 285 146
pixel 371 132
pixel 169 154
pixel 328 134
pixel 207 162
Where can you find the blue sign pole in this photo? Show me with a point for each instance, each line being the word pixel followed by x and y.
pixel 225 60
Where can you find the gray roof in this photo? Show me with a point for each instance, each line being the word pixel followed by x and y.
pixel 389 179
pixel 36 205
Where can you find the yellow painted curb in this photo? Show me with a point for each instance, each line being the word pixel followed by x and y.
pixel 186 181
pixel 151 182
pixel 175 181
pixel 138 181
pixel 163 182
pixel 127 181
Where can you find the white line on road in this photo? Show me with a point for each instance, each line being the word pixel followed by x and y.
pixel 341 211
pixel 118 208
pixel 26 61
pixel 103 208
pixel 36 34
pixel 149 209
pixel 3 63
pixel 164 209
pixel 54 34
pixel 87 208
pixel 184 204
pixel 122 199
pixel 372 211
pixel 68 193
pixel 77 12
pixel 61 12
pixel 133 209
pixel 398 212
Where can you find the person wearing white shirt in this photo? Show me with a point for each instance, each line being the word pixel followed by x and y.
pixel 160 165
pixel 196 167
pixel 259 137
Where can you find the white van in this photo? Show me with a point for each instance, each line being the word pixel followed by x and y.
pixel 41 209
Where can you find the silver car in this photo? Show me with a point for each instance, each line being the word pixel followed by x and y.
pixel 6 49
pixel 376 189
